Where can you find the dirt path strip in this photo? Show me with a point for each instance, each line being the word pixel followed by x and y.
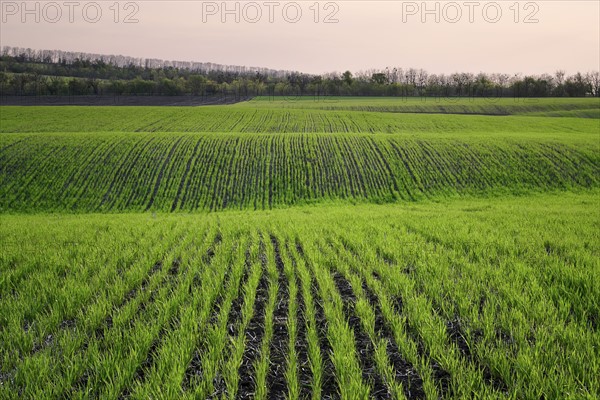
pixel 179 101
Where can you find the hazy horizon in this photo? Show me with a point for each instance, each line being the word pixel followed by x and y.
pixel 370 35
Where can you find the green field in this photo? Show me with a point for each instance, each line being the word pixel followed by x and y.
pixel 89 159
pixel 340 248
pixel 574 107
pixel 306 116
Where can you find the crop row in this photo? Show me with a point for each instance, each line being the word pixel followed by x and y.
pixel 589 107
pixel 452 300
pixel 170 172
pixel 245 119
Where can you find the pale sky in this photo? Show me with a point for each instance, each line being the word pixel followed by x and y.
pixel 560 34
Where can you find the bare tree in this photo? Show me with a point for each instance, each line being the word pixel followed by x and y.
pixel 411 77
pixel 593 78
pixel 560 77
pixel 422 79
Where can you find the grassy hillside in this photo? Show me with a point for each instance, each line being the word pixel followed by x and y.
pixel 479 298
pixel 454 289
pixel 580 107
pixel 86 172
pixel 243 118
pixel 108 159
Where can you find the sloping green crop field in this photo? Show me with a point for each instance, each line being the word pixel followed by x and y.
pixel 272 119
pixel 171 172
pixel 575 107
pixel 212 158
pixel 486 298
pixel 278 249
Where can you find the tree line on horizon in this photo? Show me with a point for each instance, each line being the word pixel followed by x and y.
pixel 26 72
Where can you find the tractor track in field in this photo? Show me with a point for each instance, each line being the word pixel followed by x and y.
pixel 440 375
pixel 193 370
pixel 235 313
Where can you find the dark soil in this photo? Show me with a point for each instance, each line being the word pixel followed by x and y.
pixel 120 100
pixel 279 344
pixel 329 389
pixel 304 371
pixel 210 252
pixel 254 335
